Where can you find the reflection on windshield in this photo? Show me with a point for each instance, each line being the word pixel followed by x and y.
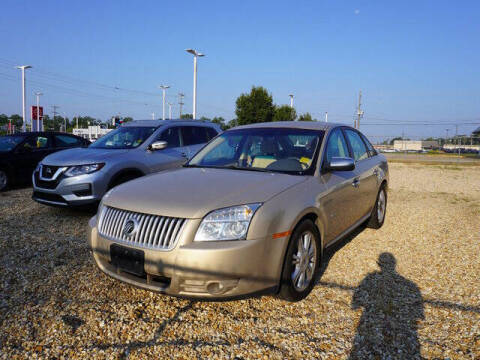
pixel 7 143
pixel 262 149
pixel 124 138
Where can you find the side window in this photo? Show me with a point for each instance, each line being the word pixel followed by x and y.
pixel 370 147
pixel 37 142
pixel 211 132
pixel 337 146
pixel 193 135
pixel 171 136
pixel 66 141
pixel 357 144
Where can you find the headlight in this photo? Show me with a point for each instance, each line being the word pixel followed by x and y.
pixel 39 166
pixel 83 169
pixel 227 224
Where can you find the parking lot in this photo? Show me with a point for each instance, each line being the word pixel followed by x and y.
pixel 54 302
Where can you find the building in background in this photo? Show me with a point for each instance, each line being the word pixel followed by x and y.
pixel 91 133
pixel 415 145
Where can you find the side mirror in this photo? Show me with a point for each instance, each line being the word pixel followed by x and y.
pixel 158 145
pixel 341 164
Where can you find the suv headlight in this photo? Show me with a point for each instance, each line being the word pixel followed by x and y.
pixel 83 169
pixel 227 224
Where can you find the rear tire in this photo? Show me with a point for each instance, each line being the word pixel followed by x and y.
pixel 301 262
pixel 379 210
pixel 4 180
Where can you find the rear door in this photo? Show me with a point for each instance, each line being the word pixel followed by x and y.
pixel 63 142
pixel 194 137
pixel 340 195
pixel 365 173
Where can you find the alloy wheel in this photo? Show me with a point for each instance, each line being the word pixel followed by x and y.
pixel 381 205
pixel 304 261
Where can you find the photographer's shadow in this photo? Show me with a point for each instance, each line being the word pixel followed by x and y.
pixel 392 306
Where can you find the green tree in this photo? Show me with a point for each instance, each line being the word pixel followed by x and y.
pixel 186 116
pixel 284 113
pixel 232 123
pixel 306 117
pixel 254 107
pixel 220 121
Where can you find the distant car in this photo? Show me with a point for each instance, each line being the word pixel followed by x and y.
pixel 20 153
pixel 251 212
pixel 79 177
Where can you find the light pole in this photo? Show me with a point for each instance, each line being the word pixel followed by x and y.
pixel 195 54
pixel 291 100
pixel 23 67
pixel 326 116
pixel 164 88
pixel 181 103
pixel 38 94
pixel 170 111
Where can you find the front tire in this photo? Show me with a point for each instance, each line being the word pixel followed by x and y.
pixel 379 210
pixel 4 181
pixel 301 262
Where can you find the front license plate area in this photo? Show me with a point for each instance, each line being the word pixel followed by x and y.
pixel 127 259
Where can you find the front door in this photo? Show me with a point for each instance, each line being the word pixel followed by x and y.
pixel 364 170
pixel 175 155
pixel 340 194
pixel 30 153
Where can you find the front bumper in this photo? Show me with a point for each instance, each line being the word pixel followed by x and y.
pixel 205 270
pixel 69 191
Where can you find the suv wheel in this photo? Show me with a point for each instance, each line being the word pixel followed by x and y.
pixel 3 179
pixel 379 210
pixel 301 262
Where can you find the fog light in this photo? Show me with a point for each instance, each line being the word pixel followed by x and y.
pixel 215 288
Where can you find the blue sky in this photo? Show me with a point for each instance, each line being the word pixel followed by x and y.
pixel 415 61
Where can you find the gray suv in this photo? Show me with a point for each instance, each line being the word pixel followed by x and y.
pixel 82 176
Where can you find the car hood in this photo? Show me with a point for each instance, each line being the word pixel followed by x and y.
pixel 194 192
pixel 80 156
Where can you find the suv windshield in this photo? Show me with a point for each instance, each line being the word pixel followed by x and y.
pixel 262 149
pixel 7 143
pixel 127 137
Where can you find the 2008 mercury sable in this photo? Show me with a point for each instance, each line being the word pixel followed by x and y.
pixel 251 212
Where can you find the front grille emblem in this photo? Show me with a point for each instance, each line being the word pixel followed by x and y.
pixel 130 228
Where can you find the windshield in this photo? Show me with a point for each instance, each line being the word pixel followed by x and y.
pixel 7 143
pixel 262 149
pixel 127 137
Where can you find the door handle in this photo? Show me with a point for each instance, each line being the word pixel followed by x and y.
pixel 356 182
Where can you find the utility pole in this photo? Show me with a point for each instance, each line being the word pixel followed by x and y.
pixel 164 88
pixel 153 116
pixel 326 116
pixel 196 55
pixel 170 110
pixel 181 103
pixel 23 68
pixel 65 121
pixel 446 139
pixel 291 100
pixel 55 107
pixel 359 111
pixel 38 94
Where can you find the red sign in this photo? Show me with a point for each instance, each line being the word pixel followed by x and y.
pixel 34 112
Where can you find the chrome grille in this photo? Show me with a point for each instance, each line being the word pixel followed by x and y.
pixel 152 231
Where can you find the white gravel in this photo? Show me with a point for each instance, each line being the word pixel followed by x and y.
pixel 54 303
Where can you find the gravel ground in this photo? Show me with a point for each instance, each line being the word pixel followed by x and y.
pixel 54 303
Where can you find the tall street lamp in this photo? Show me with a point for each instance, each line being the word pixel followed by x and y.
pixel 291 100
pixel 164 88
pixel 23 67
pixel 195 54
pixel 38 94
